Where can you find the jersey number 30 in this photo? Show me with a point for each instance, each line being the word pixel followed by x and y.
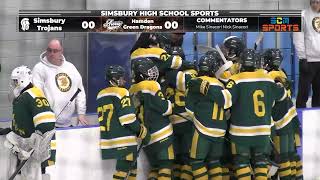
pixel 259 107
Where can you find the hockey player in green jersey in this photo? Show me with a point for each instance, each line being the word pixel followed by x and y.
pixel 153 111
pixel 176 88
pixel 253 94
pixel 285 117
pixel 206 100
pixel 32 125
pixel 119 127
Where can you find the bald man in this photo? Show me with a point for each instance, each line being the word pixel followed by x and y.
pixel 59 80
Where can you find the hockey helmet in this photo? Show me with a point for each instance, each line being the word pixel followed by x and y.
pixel 248 60
pixel 21 77
pixel 115 75
pixel 272 59
pixel 234 46
pixel 144 69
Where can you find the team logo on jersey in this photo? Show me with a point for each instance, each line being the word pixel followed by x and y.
pixel 63 82
pixel 316 24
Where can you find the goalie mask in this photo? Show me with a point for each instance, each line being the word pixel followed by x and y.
pixel 234 46
pixel 115 76
pixel 272 59
pixel 248 60
pixel 20 78
pixel 210 63
pixel 144 69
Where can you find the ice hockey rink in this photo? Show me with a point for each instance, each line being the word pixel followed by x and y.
pixel 78 156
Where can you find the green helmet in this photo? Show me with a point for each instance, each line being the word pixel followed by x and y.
pixel 248 60
pixel 144 69
pixel 210 63
pixel 114 74
pixel 272 59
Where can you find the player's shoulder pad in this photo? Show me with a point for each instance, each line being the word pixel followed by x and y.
pixel 212 81
pixel 150 87
pixel 277 74
pixel 251 77
pixel 147 52
pixel 35 92
pixel 118 92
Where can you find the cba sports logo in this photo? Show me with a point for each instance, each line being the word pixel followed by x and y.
pixel 63 82
pixel 111 24
pixel 280 24
pixel 316 24
pixel 25 24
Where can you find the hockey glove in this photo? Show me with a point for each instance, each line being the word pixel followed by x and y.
pixel 144 135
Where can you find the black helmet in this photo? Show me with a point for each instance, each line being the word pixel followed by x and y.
pixel 272 59
pixel 210 63
pixel 144 69
pixel 248 60
pixel 234 46
pixel 114 74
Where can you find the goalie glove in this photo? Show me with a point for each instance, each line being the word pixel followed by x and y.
pixel 144 135
pixel 18 145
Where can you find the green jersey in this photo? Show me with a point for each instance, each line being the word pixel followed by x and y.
pixel 253 95
pixel 118 124
pixel 206 100
pixel 175 92
pixel 31 112
pixel 154 110
pixel 284 113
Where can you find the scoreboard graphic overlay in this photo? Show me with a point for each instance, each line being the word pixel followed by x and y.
pixel 158 21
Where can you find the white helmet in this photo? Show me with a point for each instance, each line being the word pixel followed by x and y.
pixel 20 78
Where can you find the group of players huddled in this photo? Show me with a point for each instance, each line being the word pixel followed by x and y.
pixel 226 117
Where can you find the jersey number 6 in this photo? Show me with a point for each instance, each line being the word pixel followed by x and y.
pixel 259 107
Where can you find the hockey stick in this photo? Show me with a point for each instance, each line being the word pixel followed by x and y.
pixel 258 40
pixel 70 101
pixel 21 165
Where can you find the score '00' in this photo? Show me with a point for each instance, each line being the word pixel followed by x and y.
pixel 171 25
pixel 86 25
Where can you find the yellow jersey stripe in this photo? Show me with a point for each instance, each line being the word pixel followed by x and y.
pixel 44 117
pixel 113 91
pixel 150 87
pixel 194 145
pixel 118 142
pixel 227 98
pixel 212 81
pixel 250 131
pixel 147 52
pixel 180 81
pixel 213 132
pixel 287 118
pixel 127 119
pixel 169 109
pixel 177 119
pixel 176 62
pixel 102 128
pixel 35 92
pixel 251 77
pixel 199 171
pixel 53 144
pixel 161 134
